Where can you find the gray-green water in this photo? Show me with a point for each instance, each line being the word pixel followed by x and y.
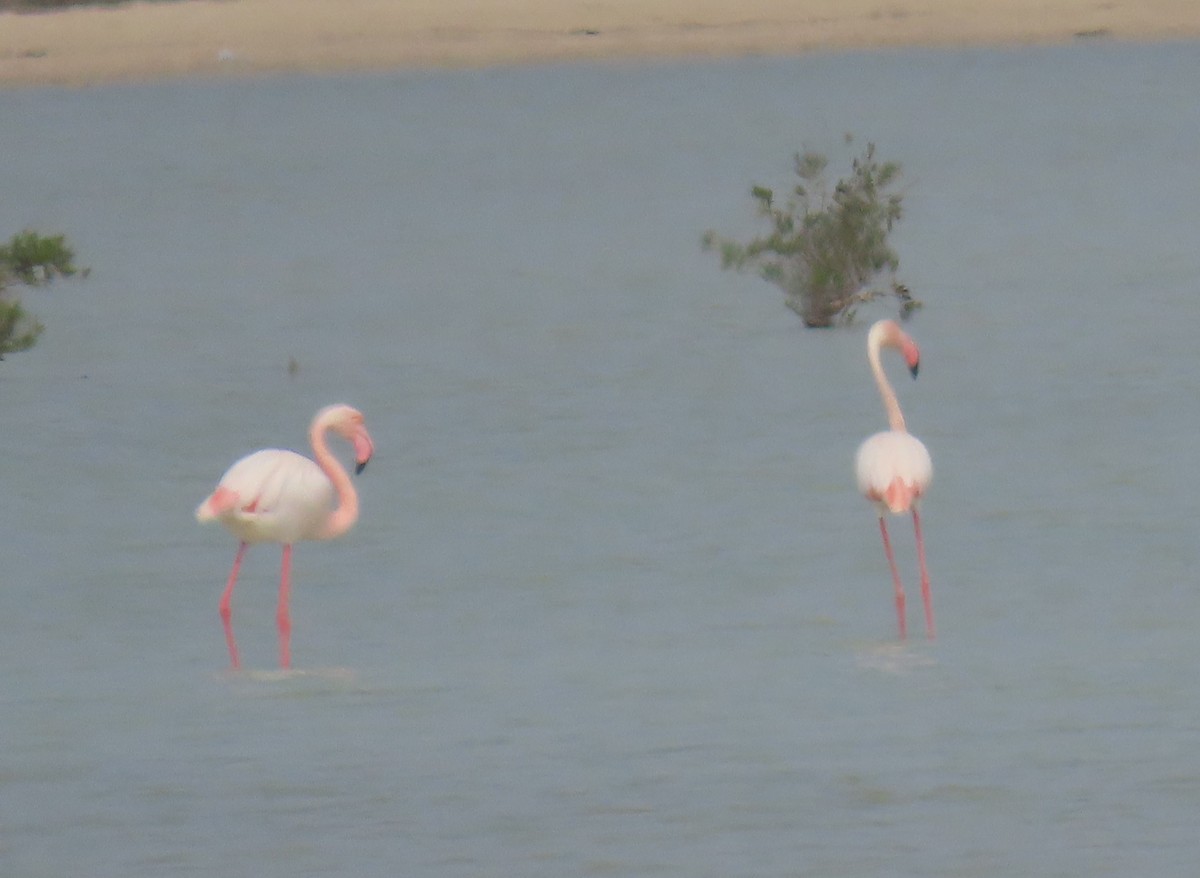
pixel 613 607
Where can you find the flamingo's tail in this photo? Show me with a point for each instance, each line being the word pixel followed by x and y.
pixel 216 504
pixel 900 495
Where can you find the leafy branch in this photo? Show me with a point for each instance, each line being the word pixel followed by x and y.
pixel 33 260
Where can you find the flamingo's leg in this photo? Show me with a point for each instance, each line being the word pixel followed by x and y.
pixel 226 609
pixel 282 616
pixel 926 596
pixel 891 558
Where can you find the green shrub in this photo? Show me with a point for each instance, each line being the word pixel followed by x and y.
pixel 826 250
pixel 18 330
pixel 33 260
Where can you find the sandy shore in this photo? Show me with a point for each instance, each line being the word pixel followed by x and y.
pixel 240 37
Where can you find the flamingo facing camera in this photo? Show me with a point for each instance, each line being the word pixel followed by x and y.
pixel 894 468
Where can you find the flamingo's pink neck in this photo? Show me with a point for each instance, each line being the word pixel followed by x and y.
pixel 342 518
pixel 891 405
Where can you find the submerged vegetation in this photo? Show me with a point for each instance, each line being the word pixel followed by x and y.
pixel 827 249
pixel 33 260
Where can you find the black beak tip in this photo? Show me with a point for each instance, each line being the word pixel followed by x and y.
pixel 360 467
pixel 914 368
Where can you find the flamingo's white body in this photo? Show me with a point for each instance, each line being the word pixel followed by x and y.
pixel 283 497
pixel 893 467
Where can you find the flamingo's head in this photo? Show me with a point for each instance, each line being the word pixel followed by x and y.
pixel 348 422
pixel 887 333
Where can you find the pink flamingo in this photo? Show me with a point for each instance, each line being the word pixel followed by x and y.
pixel 281 496
pixel 894 469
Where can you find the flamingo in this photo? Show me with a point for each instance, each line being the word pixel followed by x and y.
pixel 281 496
pixel 893 467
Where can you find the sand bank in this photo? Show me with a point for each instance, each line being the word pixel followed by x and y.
pixel 240 37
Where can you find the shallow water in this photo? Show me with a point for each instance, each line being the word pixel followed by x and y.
pixel 613 607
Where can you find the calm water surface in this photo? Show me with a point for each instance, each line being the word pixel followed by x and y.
pixel 613 607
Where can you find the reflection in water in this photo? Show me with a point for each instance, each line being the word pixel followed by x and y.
pixel 894 658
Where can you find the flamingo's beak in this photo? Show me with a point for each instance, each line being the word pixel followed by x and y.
pixel 912 356
pixel 364 448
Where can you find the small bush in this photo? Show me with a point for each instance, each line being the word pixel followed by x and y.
pixel 33 260
pixel 18 330
pixel 826 249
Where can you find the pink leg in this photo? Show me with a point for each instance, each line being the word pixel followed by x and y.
pixel 926 596
pixel 282 616
pixel 887 550
pixel 226 609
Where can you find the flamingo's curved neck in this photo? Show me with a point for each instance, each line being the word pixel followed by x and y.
pixel 890 404
pixel 342 518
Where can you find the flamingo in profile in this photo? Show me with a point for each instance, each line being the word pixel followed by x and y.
pixel 894 468
pixel 281 496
